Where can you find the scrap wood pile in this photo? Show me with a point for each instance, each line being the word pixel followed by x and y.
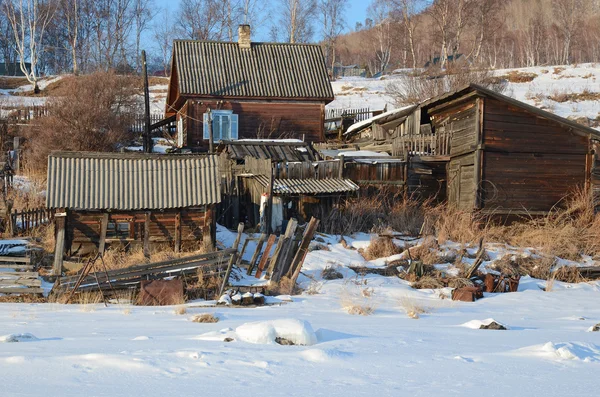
pixel 287 258
pixel 18 274
pixel 213 263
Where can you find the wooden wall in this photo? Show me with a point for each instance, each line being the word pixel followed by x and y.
pixel 266 119
pixel 83 227
pixel 461 122
pixel 529 162
pixel 461 182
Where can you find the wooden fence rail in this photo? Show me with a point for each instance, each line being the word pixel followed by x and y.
pixel 423 144
pixel 359 114
pixel 24 221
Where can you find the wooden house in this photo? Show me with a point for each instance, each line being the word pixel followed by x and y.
pixel 501 156
pixel 125 198
pixel 246 89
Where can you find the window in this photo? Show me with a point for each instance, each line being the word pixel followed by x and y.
pixel 224 125
pixel 117 230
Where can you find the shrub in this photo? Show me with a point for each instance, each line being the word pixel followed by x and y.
pixel 381 247
pixel 87 113
pixel 204 318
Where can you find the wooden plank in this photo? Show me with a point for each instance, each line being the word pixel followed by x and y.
pixel 16 267
pixel 19 274
pixel 103 229
pixel 265 256
pixel 30 290
pixel 147 234
pixel 261 242
pixel 284 260
pixel 302 250
pixel 178 232
pixel 28 282
pixel 236 243
pixel 14 259
pixel 60 245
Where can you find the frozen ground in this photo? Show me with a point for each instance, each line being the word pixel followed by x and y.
pixel 74 350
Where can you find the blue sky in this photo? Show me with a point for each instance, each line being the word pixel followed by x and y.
pixel 356 12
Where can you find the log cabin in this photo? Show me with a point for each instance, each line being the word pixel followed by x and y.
pixel 130 198
pixel 246 89
pixel 501 156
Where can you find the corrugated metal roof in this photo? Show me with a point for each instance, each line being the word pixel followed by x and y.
pixel 309 186
pixel 127 181
pixel 276 151
pixel 273 70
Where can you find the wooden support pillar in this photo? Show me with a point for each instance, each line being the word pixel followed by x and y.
pixel 147 234
pixel 341 171
pixel 17 154
pixel 269 214
pixel 59 249
pixel 178 232
pixel 103 229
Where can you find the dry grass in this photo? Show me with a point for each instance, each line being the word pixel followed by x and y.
pixel 314 288
pixel 88 300
pixel 180 310
pixel 380 247
pixel 412 307
pixel 285 286
pixel 357 298
pixel 517 76
pixel 585 95
pixel 428 282
pixel 204 318
pixel 10 83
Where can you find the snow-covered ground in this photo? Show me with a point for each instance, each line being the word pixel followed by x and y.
pixel 119 350
pixel 548 84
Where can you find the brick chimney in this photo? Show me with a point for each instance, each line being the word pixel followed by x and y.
pixel 244 36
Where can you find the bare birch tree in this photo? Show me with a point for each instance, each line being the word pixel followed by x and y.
pixel 295 19
pixel 380 12
pixel 332 17
pixel 29 20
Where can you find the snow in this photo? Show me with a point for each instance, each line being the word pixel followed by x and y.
pixel 265 332
pixel 549 82
pixel 11 338
pixel 477 324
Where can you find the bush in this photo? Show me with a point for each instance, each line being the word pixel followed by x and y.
pixel 416 88
pixel 87 113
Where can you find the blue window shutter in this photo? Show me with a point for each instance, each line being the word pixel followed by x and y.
pixel 205 125
pixel 234 126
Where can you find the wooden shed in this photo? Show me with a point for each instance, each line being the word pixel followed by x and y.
pixel 247 89
pixel 502 156
pixel 127 198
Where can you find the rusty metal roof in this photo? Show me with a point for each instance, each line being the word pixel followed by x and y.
pixel 266 70
pixel 274 150
pixel 308 186
pixel 130 181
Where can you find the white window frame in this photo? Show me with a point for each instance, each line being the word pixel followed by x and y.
pixel 217 125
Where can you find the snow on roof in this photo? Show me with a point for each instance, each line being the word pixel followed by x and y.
pixel 363 124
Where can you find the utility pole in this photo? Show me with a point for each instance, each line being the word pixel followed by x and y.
pixel 147 139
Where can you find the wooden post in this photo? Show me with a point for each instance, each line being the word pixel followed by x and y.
pixel 233 259
pixel 261 242
pixel 211 144
pixel 303 250
pixel 59 249
pixel 178 231
pixel 147 235
pixel 341 171
pixel 103 228
pixel 265 256
pixel 147 141
pixel 269 214
pixel 17 154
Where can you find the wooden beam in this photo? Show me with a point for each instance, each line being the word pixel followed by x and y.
pixel 178 232
pixel 147 216
pixel 14 259
pixel 233 259
pixel 265 256
pixel 298 260
pixel 282 262
pixel 59 248
pixel 261 242
pixel 103 229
